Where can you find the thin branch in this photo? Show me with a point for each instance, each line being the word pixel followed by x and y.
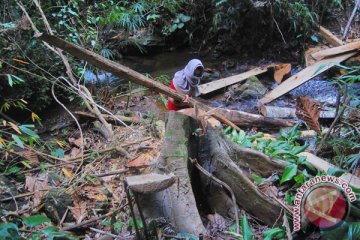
pixel 82 224
pixel 78 125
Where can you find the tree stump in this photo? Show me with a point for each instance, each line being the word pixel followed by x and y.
pixel 219 156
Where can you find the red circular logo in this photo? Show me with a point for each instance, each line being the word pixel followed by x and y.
pixel 325 205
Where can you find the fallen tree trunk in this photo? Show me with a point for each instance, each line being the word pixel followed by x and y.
pixel 131 75
pixel 336 50
pixel 285 112
pixel 329 37
pixel 253 120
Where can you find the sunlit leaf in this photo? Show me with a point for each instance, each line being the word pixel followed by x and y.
pixel 26 164
pixel 67 172
pixel 25 129
pixel 289 173
pixel 17 140
pixel 15 127
pixel 35 220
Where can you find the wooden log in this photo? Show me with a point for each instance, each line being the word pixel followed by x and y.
pixel 329 37
pixel 110 118
pixel 336 50
pixel 304 76
pixel 285 112
pixel 131 75
pixel 253 120
pixel 323 165
pixel 280 71
pixel 224 82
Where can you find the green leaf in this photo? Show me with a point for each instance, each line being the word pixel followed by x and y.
pixel 18 140
pixel 18 79
pixel 53 233
pixel 314 38
pixel 257 179
pixel 354 230
pixel 184 18
pixel 246 229
pixel 35 220
pixel 180 25
pixel 274 233
pixel 173 28
pixel 9 231
pixel 334 171
pixel 186 236
pixel 289 173
pixel 59 153
pixel 298 149
pixel 25 129
pixel 12 170
pixel 10 81
pixel 322 66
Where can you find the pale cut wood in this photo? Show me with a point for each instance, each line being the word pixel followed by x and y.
pixel 329 37
pixel 285 112
pixel 224 82
pixel 304 76
pixel 309 60
pixel 280 71
pixel 152 182
pixel 336 50
pixel 323 165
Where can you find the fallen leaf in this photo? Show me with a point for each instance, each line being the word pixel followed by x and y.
pixel 77 142
pixel 67 172
pixel 29 155
pixel 79 211
pixel 36 184
pixel 75 152
pixel 308 110
pixel 140 161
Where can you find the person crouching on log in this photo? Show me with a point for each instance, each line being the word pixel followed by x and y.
pixel 186 81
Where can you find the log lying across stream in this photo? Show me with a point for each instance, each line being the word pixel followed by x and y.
pixel 239 117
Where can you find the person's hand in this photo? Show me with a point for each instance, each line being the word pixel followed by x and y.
pixel 187 99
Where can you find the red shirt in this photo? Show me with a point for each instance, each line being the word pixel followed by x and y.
pixel 171 104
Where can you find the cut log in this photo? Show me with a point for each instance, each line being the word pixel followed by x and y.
pixel 329 37
pixel 323 165
pixel 131 75
pixel 110 118
pixel 221 83
pixel 280 71
pixel 285 112
pixel 336 50
pixel 253 120
pixel 149 183
pixel 304 76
